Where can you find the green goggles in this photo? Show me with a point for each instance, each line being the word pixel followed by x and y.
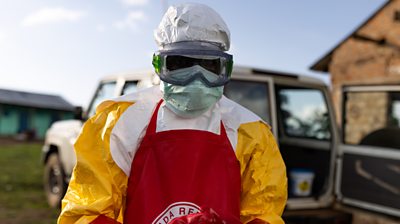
pixel 218 63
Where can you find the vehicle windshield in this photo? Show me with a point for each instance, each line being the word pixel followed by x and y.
pixel 129 87
pixel 105 91
pixel 254 96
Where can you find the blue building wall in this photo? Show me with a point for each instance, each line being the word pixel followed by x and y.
pixel 18 119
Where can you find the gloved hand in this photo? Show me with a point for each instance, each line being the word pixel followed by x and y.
pixel 102 219
pixel 205 216
pixel 258 221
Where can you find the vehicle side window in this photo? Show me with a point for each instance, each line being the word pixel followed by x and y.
pixel 252 95
pixel 303 113
pixel 105 91
pixel 372 118
pixel 129 87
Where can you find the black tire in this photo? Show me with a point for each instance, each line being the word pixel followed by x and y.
pixel 54 180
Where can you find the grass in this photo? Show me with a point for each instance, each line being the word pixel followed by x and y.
pixel 22 198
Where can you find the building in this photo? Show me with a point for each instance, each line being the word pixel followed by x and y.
pixel 30 114
pixel 368 57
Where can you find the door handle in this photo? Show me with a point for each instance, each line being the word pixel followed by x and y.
pixel 364 173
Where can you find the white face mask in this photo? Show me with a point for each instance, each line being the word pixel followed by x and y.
pixel 191 100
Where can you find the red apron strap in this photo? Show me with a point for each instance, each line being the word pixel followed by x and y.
pixel 151 129
pixel 222 131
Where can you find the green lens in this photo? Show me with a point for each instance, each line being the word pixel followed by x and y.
pixel 229 67
pixel 157 63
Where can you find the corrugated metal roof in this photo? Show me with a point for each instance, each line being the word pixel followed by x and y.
pixel 36 100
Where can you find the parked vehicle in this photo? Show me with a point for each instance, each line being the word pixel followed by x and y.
pixel 369 161
pixel 58 153
pixel 321 170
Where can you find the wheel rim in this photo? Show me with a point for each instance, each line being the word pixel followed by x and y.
pixel 54 179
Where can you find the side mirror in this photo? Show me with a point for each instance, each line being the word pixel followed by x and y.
pixel 78 113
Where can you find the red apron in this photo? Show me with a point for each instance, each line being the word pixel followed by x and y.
pixel 176 173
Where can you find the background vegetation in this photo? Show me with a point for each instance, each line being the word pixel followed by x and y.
pixel 22 198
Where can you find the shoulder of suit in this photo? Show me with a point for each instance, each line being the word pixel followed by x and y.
pixel 145 99
pixel 235 114
pixel 151 94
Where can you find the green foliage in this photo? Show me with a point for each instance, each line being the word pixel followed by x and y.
pixel 22 198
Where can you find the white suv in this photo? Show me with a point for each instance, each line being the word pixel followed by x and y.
pixel 58 151
pixel 300 112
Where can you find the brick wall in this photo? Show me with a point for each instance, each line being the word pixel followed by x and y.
pixel 372 56
pixel 365 113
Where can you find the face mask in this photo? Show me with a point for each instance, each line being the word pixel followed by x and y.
pixel 191 100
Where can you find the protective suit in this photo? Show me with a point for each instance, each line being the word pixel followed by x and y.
pixel 180 152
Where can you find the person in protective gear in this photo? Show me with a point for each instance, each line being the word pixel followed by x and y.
pixel 180 152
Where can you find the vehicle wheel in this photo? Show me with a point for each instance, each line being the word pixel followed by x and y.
pixel 54 180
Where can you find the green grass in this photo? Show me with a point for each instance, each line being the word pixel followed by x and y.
pixel 22 198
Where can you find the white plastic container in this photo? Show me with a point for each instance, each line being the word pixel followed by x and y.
pixel 302 180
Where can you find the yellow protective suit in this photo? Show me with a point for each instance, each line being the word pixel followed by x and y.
pixel 99 180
